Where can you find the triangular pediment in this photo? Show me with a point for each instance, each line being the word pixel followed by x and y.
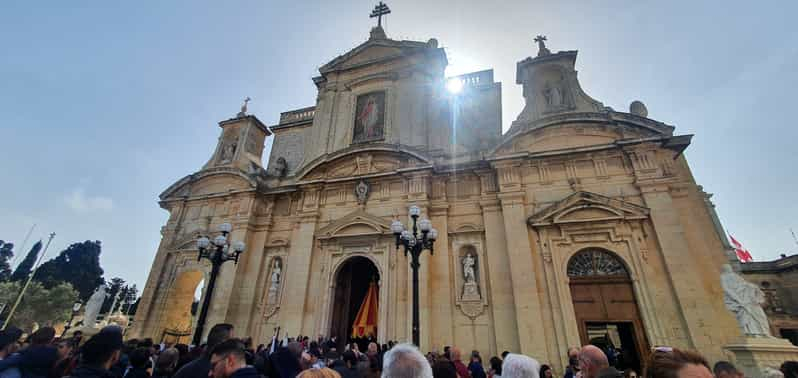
pixel 357 223
pixel 587 207
pixel 372 51
pixel 212 181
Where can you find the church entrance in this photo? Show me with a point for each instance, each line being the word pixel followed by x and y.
pixel 352 284
pixel 606 308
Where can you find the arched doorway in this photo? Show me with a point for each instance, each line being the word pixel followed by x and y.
pixel 181 307
pixel 606 308
pixel 352 283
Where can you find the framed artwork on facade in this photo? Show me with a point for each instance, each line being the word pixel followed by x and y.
pixel 369 117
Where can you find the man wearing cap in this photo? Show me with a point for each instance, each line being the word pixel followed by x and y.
pixel 98 355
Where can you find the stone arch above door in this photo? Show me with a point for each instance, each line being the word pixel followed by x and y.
pixel 596 262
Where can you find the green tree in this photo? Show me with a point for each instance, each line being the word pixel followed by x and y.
pixel 6 253
pixel 24 268
pixel 39 306
pixel 79 265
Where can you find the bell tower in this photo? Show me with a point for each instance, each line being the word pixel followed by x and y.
pixel 241 142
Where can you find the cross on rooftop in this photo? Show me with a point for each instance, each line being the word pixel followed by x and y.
pixel 380 10
pixel 541 40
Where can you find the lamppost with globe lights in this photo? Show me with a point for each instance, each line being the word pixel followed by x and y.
pixel 415 244
pixel 217 251
pixel 75 309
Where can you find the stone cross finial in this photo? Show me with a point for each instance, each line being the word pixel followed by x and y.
pixel 542 50
pixel 380 10
pixel 243 111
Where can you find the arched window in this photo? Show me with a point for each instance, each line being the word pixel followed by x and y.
pixel 594 262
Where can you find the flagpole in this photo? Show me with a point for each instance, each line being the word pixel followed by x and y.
pixel 30 277
pixel 24 243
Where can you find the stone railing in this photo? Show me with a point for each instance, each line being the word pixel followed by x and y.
pixel 298 115
pixel 474 79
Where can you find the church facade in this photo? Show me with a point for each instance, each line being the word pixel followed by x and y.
pixel 579 224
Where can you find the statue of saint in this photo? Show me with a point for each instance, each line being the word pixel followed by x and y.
pixel 745 300
pixel 276 272
pixel 468 268
pixel 228 151
pixel 93 306
pixel 553 95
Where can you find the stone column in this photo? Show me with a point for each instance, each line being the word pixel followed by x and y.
pixel 440 281
pixel 501 298
pixel 297 274
pixel 680 265
pixel 523 276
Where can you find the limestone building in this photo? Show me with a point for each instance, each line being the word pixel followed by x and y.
pixel 584 224
pixel 778 280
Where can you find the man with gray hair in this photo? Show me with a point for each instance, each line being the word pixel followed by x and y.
pixel 520 366
pixel 405 361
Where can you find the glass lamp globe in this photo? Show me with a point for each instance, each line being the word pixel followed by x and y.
pixel 414 211
pixel 239 246
pixel 405 235
pixel 225 227
pixel 203 242
pixel 433 234
pixel 397 227
pixel 424 225
pixel 220 240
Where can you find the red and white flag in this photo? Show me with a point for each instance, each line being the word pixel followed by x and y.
pixel 742 254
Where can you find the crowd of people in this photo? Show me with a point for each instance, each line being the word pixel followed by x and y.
pixel 106 355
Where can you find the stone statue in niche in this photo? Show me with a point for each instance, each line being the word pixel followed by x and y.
pixel 470 285
pixel 553 95
pixel 468 268
pixel 280 167
pixel 745 300
pixel 229 150
pixel 275 282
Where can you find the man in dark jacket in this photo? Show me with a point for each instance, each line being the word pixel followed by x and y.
pixel 202 365
pixel 228 360
pixel 346 367
pixel 98 355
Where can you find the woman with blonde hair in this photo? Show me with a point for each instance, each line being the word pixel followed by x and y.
pixel 319 373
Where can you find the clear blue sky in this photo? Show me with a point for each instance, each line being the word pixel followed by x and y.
pixel 105 104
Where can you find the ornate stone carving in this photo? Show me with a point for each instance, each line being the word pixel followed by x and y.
pixel 272 300
pixel 472 309
pixel 362 190
pixel 229 150
pixel 745 300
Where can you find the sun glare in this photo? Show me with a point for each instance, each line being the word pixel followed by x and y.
pixel 454 85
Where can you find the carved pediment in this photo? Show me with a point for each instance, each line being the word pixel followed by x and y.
pixel 358 223
pixel 372 51
pixel 210 181
pixel 587 207
pixel 373 161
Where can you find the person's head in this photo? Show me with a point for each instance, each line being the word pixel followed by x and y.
pixel 42 336
pixel 9 340
pixel 520 366
pixel 630 373
pixel 476 358
pixel 319 373
pixel 443 369
pixel 330 357
pixel 182 348
pixel 405 361
pixel 591 361
pixel 219 334
pixel 545 371
pixel 350 359
pixel 372 348
pixel 505 353
pixel 64 348
pixel 496 365
pixel 455 354
pixel 675 363
pixel 139 357
pixel 789 369
pixel 167 360
pixel 295 348
pixel 573 357
pixel 227 357
pixel 102 350
pixel 725 369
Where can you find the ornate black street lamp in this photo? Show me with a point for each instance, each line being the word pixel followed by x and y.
pixel 217 252
pixel 415 245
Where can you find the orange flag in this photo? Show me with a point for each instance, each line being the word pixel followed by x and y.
pixel 366 320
